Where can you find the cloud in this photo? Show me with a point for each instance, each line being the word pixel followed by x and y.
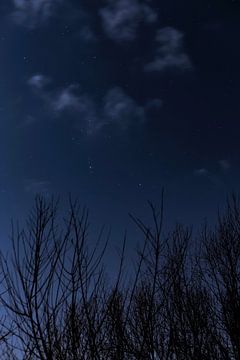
pixel 32 13
pixel 66 99
pixel 224 165
pixel 38 81
pixel 121 109
pixel 154 104
pixel 28 121
pixel 116 108
pixel 34 186
pixel 121 18
pixel 201 172
pixel 170 52
pixel 214 172
pixel 86 34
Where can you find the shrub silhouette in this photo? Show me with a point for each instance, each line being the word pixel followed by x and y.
pixel 182 303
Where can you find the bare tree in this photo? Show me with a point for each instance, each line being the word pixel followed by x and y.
pixel 221 272
pixel 179 305
pixel 54 286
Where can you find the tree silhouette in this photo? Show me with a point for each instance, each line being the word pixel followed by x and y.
pixel 183 301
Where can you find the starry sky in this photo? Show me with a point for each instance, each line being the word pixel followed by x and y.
pixel 113 100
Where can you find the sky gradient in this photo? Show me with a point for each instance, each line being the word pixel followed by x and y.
pixel 114 100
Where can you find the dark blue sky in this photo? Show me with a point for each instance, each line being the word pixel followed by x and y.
pixel 114 100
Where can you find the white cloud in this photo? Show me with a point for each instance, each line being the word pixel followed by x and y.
pixel 121 18
pixel 201 172
pixel 33 13
pixel 38 81
pixel 170 52
pixel 116 108
pixel 121 109
pixel 66 100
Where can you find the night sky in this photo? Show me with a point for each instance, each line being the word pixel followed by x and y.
pixel 114 100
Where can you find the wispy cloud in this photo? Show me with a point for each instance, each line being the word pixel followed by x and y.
pixel 34 186
pixel 72 100
pixel 121 109
pixel 121 18
pixel 28 121
pixel 86 34
pixel 66 99
pixel 224 165
pixel 201 172
pixel 154 104
pixel 38 81
pixel 215 171
pixel 32 13
pixel 116 108
pixel 170 51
